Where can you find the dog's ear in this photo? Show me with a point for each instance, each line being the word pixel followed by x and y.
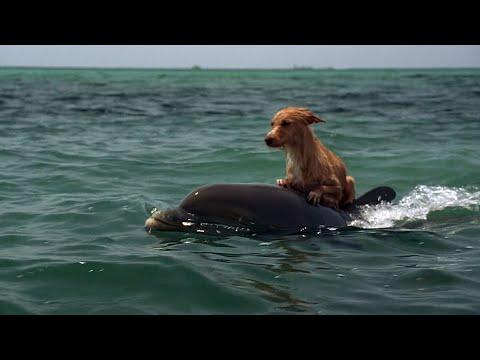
pixel 311 118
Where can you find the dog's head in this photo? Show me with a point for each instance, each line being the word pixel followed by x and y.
pixel 289 124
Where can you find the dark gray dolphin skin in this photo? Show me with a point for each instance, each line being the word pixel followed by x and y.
pixel 251 209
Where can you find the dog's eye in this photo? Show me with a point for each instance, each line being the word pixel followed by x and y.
pixel 286 123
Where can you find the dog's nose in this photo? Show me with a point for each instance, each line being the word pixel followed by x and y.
pixel 268 140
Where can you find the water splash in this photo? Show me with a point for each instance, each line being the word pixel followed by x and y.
pixel 416 206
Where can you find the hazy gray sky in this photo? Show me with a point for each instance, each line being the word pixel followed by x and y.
pixel 241 56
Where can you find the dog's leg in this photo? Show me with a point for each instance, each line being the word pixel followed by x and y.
pixel 285 183
pixel 328 194
pixel 282 182
pixel 332 199
pixel 349 191
pixel 315 195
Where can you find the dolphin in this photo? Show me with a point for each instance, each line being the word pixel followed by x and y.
pixel 251 209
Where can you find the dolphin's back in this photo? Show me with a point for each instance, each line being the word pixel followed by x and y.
pixel 265 206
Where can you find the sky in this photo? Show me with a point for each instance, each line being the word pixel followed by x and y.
pixel 242 56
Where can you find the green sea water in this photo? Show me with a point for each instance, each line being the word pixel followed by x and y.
pixel 86 154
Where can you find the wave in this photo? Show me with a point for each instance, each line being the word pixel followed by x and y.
pixel 416 205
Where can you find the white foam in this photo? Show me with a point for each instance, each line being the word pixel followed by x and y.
pixel 416 206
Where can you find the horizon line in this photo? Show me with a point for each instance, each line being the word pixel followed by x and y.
pixel 199 68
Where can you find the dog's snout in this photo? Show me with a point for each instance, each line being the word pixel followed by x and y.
pixel 268 140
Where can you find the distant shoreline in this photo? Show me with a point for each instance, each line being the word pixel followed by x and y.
pixel 196 68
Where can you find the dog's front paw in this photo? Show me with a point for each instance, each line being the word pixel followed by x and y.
pixel 283 183
pixel 330 203
pixel 314 198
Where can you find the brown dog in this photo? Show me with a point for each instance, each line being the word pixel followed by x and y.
pixel 311 168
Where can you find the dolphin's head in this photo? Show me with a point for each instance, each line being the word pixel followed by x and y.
pixel 165 220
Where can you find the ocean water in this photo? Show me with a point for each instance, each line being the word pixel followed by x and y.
pixel 86 154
